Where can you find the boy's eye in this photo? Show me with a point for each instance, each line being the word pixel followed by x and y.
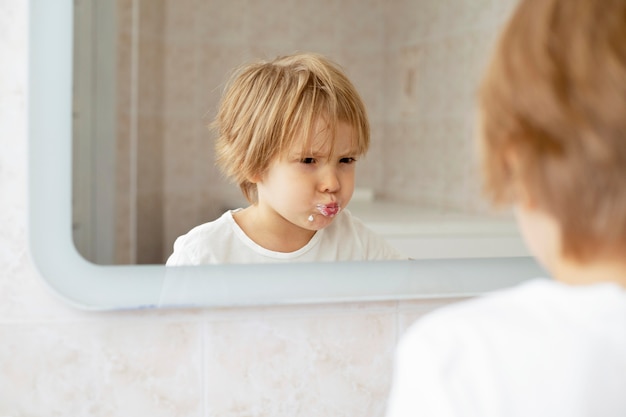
pixel 347 160
pixel 307 160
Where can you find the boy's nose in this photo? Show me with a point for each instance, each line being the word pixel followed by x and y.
pixel 329 182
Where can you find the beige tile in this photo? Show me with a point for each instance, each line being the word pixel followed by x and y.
pixel 503 9
pixel 216 62
pixel 181 72
pixel 432 17
pixel 180 152
pixel 151 18
pixel 149 77
pixel 101 369
pixel 124 10
pixel 306 366
pixel 316 25
pixel 462 15
pixel 370 167
pixel 269 22
pixel 401 23
pixel 182 19
pixel 361 24
pixel 367 72
pixel 223 22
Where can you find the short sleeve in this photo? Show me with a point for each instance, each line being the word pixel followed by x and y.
pixel 181 254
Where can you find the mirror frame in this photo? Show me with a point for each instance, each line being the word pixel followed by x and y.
pixel 97 287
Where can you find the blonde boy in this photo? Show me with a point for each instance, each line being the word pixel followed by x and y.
pixel 553 121
pixel 290 132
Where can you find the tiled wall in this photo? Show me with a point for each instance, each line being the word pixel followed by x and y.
pixel 317 360
pixel 416 63
pixel 436 50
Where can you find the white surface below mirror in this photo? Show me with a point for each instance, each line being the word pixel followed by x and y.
pixel 89 286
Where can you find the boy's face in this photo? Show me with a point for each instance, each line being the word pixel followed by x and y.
pixel 308 189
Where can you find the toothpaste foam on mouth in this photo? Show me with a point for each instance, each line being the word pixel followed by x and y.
pixel 329 210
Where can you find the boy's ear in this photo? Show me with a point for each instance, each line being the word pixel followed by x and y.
pixel 255 178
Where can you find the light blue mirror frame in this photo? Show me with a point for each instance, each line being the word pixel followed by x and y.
pixel 97 287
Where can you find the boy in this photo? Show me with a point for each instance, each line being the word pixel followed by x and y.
pixel 290 132
pixel 553 139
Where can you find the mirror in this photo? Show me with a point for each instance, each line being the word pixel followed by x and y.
pixel 103 287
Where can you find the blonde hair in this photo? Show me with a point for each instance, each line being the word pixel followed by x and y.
pixel 266 106
pixel 554 99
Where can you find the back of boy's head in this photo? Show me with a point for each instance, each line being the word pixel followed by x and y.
pixel 553 102
pixel 266 106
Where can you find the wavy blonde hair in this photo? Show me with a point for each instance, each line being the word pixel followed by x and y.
pixel 266 106
pixel 554 97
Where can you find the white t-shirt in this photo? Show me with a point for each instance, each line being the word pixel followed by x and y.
pixel 540 349
pixel 223 241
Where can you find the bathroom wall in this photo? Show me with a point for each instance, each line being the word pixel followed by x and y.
pixel 415 62
pixel 316 360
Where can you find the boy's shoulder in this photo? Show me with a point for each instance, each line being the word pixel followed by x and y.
pixel 222 223
pixel 199 234
pixel 538 305
pixel 206 243
pixel 493 304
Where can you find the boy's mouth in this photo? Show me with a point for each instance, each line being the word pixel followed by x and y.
pixel 328 210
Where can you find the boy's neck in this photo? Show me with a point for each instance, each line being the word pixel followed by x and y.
pixel 271 235
pixel 598 271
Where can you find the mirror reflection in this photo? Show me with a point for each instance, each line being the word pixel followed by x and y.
pixel 148 76
pixel 289 132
